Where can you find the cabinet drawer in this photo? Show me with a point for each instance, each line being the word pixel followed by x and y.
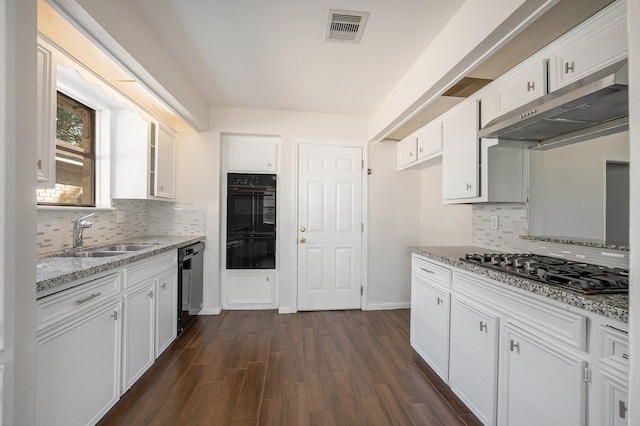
pixel 615 347
pixel 89 293
pixel 525 311
pixel 148 268
pixel 430 272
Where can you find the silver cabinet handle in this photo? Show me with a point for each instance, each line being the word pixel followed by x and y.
pixel 163 286
pixel 427 270
pixel 39 164
pixel 115 315
pixel 622 409
pixel 531 85
pixel 568 67
pixel 468 187
pixel 86 299
pixel 410 154
pixel 625 356
pixel 440 301
pixel 515 346
pixel 151 294
pixel 483 326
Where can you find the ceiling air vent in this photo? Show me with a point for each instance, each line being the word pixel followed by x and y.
pixel 345 26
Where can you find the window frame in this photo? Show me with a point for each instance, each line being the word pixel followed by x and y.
pixel 73 85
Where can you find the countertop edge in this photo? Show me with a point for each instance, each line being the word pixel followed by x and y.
pixel 54 271
pixel 606 305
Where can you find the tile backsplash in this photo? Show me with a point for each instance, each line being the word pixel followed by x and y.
pixel 513 221
pixel 142 218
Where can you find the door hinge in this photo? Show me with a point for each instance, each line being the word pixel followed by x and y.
pixel 362 164
pixel 361 290
pixel 587 374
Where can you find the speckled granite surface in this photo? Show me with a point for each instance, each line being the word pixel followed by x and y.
pixel 54 270
pixel 614 306
pixel 575 242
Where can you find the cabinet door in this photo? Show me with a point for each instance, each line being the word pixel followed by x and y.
pixel 461 151
pixel 525 85
pixel 407 151
pixel 166 310
pixel 601 43
pixel 430 325
pixel 249 156
pixel 541 383
pixel 430 140
pixel 45 120
pixel 165 173
pixel 138 338
pixel 610 397
pixel 473 365
pixel 78 368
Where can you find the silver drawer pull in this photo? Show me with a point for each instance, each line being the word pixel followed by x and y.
pixel 86 299
pixel 483 326
pixel 625 356
pixel 622 409
pixel 515 346
pixel 427 270
pixel 440 300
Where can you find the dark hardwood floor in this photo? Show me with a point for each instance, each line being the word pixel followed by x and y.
pixel 309 368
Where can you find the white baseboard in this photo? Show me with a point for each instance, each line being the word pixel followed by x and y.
pixel 285 310
pixel 386 306
pixel 210 311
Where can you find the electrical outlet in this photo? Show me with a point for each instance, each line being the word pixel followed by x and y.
pixel 494 222
pixel 120 216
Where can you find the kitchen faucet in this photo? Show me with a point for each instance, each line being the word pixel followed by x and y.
pixel 78 227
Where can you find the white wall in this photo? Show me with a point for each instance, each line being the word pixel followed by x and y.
pixel 393 198
pixel 118 26
pixel 634 234
pixel 394 225
pixel 18 180
pixel 477 29
pixel 564 180
pixel 434 228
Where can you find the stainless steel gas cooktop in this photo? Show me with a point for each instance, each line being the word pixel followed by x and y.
pixel 582 277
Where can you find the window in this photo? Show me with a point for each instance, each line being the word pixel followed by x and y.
pixel 75 156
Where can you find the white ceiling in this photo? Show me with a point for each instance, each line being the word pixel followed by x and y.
pixel 272 54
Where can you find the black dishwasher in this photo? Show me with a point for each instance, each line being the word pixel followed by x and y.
pixel 190 282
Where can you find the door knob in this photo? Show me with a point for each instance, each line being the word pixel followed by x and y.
pixel 303 240
pixel 303 229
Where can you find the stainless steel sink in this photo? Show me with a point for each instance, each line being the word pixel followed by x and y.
pixel 125 247
pixel 93 254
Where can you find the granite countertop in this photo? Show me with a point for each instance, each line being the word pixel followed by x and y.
pixel 576 242
pixel 614 306
pixel 54 270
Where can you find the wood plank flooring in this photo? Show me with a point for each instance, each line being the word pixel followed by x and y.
pixel 310 368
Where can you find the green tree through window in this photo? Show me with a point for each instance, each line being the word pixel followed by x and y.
pixel 69 127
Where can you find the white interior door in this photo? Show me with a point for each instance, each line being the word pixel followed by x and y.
pixel 329 227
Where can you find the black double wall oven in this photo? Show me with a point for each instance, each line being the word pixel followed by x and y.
pixel 251 221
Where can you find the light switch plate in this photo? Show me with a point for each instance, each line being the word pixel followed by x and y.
pixel 494 222
pixel 120 216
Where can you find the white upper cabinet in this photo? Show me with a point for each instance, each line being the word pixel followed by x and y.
pixel 407 151
pixel 421 145
pixel 518 87
pixel 252 154
pixel 46 119
pixel 165 160
pixel 144 158
pixel 461 152
pixel 599 42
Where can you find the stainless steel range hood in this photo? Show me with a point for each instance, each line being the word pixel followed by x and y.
pixel 588 108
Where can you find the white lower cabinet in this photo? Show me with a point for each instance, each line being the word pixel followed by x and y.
pixel 514 357
pixel 79 367
pixel 97 338
pixel 541 383
pixel 165 310
pixel 430 325
pixel 473 364
pixel 138 343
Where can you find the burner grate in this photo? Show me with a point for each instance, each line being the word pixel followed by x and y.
pixel 582 277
